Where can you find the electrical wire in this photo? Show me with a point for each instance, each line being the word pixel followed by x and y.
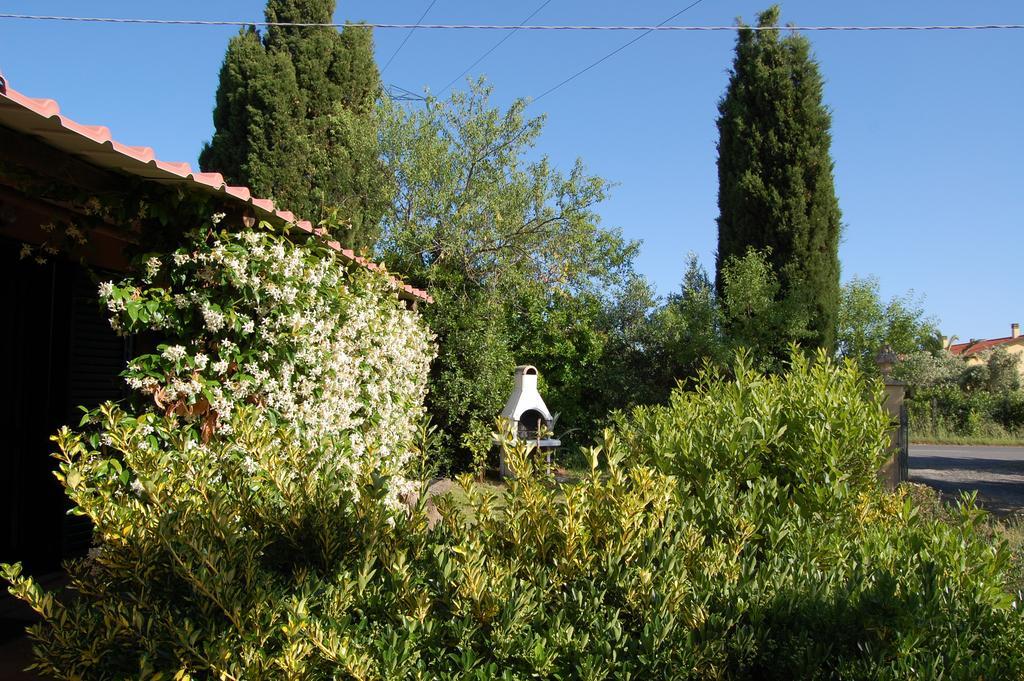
pixel 513 27
pixel 613 52
pixel 493 48
pixel 407 36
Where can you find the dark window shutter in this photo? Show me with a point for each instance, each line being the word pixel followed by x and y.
pixel 97 357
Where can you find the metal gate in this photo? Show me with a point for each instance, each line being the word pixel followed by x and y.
pixel 903 444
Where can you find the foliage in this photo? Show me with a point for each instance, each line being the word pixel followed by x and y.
pixel 998 373
pixel 786 467
pixel 924 369
pixel 816 426
pixel 757 316
pixel 775 176
pixel 296 121
pixel 759 546
pixel 953 399
pixel 1009 411
pixel 697 327
pixel 283 406
pixel 331 67
pixel 866 324
pixel 513 254
pixel 595 350
pixel 212 560
pixel 686 331
pixel 931 505
pixel 951 411
pixel 470 378
pixel 252 317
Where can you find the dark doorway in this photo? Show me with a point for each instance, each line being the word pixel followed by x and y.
pixel 59 352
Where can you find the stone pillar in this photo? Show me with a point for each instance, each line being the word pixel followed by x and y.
pixel 891 472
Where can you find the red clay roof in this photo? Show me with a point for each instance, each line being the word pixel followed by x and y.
pixel 973 348
pixel 42 118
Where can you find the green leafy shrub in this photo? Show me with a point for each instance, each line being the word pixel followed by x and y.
pixel 1008 411
pixel 738 532
pixel 818 432
pixel 287 392
pixel 996 374
pixel 838 579
pixel 925 369
pixel 1009 529
pixel 208 557
pixel 953 401
pixel 951 411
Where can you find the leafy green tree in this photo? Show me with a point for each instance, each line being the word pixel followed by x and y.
pixel 512 251
pixel 776 190
pixel 997 374
pixel 1003 371
pixel 257 138
pixel 757 316
pixel 296 120
pixel 688 330
pixel 927 369
pixel 866 323
pixel 596 351
pixel 330 66
pixel 697 327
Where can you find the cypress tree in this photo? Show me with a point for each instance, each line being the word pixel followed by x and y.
pixel 775 186
pixel 295 120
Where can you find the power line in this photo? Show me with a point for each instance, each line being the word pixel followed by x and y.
pixel 493 48
pixel 614 52
pixel 407 36
pixel 513 27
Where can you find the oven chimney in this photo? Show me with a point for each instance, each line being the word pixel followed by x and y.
pixel 525 400
pixel 1015 330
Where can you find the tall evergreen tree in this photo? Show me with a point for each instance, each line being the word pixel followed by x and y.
pixel 296 119
pixel 775 187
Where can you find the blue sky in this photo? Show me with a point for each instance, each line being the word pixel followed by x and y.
pixel 928 138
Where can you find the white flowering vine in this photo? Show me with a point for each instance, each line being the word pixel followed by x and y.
pixel 254 318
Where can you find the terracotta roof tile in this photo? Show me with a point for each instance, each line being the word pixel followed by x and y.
pixel 96 145
pixel 973 348
pixel 144 154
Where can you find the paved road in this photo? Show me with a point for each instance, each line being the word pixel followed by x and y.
pixel 996 472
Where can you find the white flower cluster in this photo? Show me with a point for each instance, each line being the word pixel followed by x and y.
pixel 332 351
pixel 75 234
pixel 153 266
pixel 174 353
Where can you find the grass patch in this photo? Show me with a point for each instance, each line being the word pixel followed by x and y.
pixel 492 489
pixel 968 440
pixel 993 435
pixel 981 440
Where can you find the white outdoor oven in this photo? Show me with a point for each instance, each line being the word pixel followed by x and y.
pixel 528 413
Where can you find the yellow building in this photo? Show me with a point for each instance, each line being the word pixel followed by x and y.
pixel 976 351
